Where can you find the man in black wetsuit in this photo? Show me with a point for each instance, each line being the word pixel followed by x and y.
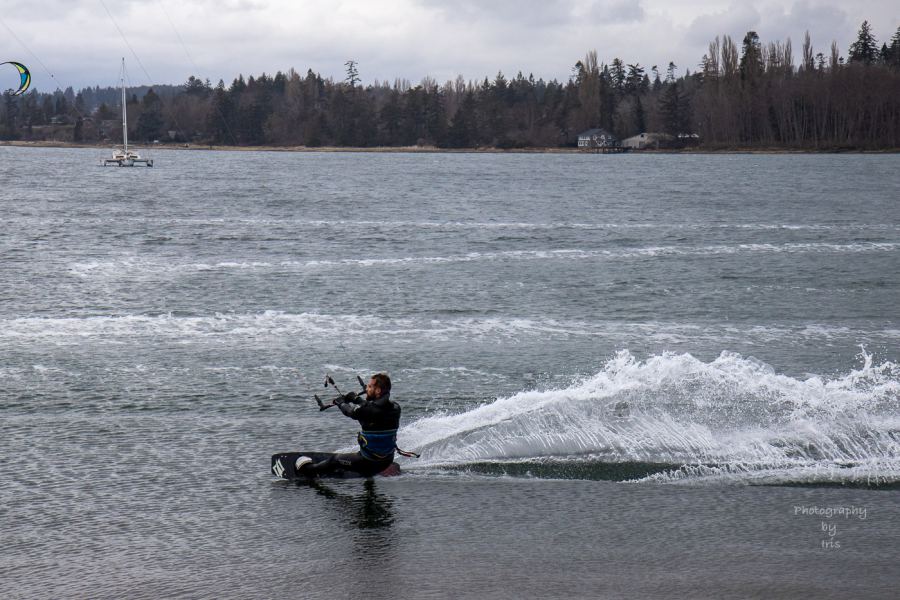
pixel 379 419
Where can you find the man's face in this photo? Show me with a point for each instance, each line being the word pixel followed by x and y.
pixel 372 390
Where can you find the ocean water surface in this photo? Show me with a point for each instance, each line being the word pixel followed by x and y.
pixel 647 376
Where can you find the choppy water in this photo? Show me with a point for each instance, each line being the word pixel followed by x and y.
pixel 624 373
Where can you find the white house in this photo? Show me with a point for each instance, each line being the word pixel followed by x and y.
pixel 597 138
pixel 646 140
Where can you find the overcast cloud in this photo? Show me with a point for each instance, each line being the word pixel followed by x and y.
pixel 79 44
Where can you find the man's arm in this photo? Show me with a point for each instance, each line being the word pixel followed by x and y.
pixel 349 404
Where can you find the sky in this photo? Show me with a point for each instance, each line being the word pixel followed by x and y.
pixel 78 42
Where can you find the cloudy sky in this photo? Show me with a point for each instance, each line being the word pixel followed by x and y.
pixel 79 43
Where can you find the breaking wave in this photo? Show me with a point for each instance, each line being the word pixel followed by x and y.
pixel 674 418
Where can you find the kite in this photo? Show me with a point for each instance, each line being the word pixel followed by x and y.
pixel 24 74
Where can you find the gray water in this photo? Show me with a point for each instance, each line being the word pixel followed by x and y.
pixel 628 376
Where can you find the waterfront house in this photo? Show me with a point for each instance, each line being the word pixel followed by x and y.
pixel 647 140
pixel 597 139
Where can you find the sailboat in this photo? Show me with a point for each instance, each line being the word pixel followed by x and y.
pixel 124 157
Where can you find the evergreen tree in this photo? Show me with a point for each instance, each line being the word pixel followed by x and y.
pixel 894 50
pixel 634 81
pixel 105 113
pixel 617 73
pixel 151 100
pixel 150 121
pixel 865 49
pixel 462 131
pixel 220 118
pixel 279 82
pixel 62 106
pixel 389 120
pixel 608 99
pixel 352 73
pixel 640 119
pixel 751 65
pixel 435 118
pixel 670 107
pixel 493 109
pixel 670 72
pixel 194 87
pixel 578 72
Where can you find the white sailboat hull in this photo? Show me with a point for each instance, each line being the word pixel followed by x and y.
pixel 126 159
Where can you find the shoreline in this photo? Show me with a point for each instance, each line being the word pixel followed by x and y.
pixel 437 150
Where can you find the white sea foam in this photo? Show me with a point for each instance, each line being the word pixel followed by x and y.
pixel 456 371
pixel 317 326
pixel 731 419
pixel 130 266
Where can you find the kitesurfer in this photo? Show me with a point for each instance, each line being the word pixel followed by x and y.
pixel 379 419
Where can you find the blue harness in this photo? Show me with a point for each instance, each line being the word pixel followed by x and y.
pixel 377 445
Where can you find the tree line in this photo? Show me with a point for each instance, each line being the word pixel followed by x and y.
pixel 740 95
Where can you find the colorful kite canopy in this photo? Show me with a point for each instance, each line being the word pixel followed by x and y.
pixel 24 75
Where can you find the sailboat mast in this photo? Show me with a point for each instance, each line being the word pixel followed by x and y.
pixel 124 112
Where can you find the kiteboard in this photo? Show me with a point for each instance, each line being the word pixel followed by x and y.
pixel 283 467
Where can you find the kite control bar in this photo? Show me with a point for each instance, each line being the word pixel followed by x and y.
pixel 330 381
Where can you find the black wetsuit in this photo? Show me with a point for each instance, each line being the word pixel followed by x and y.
pixel 379 420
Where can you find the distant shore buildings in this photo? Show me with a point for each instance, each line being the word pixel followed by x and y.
pixel 647 140
pixel 599 140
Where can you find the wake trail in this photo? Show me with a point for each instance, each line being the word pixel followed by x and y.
pixel 733 419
